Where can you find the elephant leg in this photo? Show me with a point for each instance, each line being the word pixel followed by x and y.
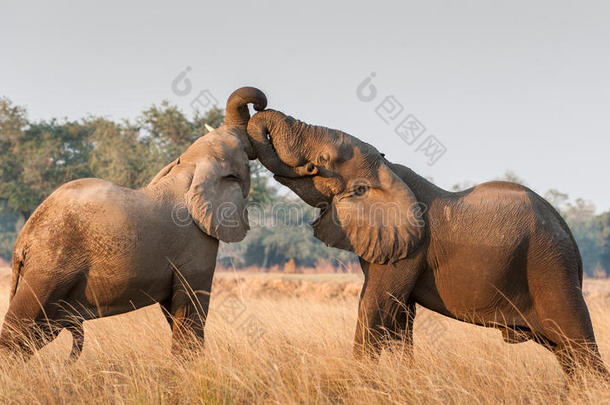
pixel 28 325
pixel 385 311
pixel 36 315
pixel 78 339
pixel 399 328
pixel 576 354
pixel 407 337
pixel 166 308
pixel 567 325
pixel 25 338
pixel 189 309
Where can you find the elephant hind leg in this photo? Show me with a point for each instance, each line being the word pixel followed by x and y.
pixel 78 339
pixel 26 338
pixel 33 320
pixel 574 356
pixel 568 333
pixel 26 325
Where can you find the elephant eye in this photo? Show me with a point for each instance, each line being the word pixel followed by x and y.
pixel 232 177
pixel 360 190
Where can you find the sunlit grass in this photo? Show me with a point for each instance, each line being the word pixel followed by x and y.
pixel 295 347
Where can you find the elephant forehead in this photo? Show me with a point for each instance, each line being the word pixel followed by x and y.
pixel 224 149
pixel 363 166
pixel 220 142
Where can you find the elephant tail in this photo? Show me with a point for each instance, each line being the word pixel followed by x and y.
pixel 18 263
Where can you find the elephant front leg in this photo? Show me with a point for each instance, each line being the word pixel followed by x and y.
pixel 382 322
pixel 189 309
pixel 386 313
pixel 367 340
pixel 402 329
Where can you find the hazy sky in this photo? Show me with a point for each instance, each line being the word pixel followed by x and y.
pixel 521 86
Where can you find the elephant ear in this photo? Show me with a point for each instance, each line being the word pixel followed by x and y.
pixel 381 221
pixel 217 203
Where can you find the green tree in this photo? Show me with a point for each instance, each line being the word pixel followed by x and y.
pixel 464 185
pixel 556 198
pixel 9 223
pixel 602 223
pixel 13 124
pixel 38 157
pixel 213 117
pixel 170 130
pixel 580 216
pixel 284 234
pixel 511 176
pixel 260 190
pixel 119 154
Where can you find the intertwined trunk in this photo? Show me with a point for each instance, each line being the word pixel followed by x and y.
pixel 285 145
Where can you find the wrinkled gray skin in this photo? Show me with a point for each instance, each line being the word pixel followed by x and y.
pixel 495 255
pixel 95 249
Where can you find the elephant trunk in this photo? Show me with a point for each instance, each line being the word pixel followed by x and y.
pixel 237 114
pixel 279 141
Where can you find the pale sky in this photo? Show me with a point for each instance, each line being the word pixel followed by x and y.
pixel 521 85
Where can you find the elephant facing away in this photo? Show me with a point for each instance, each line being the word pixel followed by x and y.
pixel 496 255
pixel 95 249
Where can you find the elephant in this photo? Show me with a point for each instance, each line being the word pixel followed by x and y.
pixel 495 255
pixel 94 249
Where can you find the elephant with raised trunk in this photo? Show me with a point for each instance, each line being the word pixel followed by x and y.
pixel 495 255
pixel 95 249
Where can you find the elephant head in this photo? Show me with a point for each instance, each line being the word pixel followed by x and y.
pixel 217 170
pixel 365 207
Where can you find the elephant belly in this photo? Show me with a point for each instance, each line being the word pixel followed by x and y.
pixel 109 288
pixel 487 287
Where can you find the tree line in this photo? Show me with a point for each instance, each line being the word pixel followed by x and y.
pixel 36 157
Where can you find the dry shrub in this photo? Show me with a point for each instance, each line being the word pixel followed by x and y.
pixel 295 347
pixel 290 267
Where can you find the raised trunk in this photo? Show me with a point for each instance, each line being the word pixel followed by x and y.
pixel 237 113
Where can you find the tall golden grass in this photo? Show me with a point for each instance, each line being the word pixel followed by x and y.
pixel 287 339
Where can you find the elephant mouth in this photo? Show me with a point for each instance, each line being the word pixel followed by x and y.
pixel 288 180
pixel 279 178
pixel 323 210
pixel 285 180
pixel 270 140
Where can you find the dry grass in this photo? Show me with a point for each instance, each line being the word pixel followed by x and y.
pixel 300 352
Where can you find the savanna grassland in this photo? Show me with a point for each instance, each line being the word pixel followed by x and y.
pixel 284 339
